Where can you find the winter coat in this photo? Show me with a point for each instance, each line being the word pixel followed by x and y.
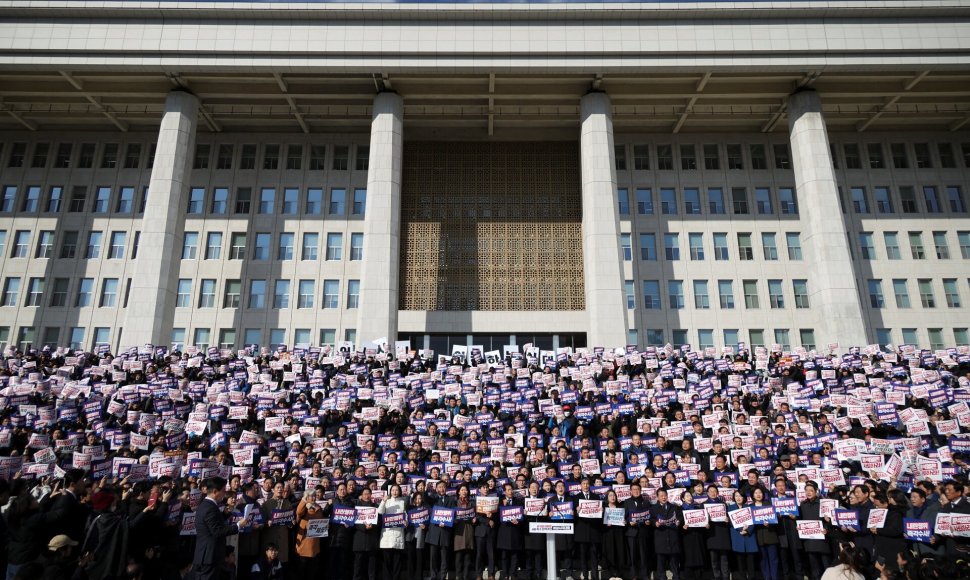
pixel 809 510
pixel 392 538
pixel 666 539
pixel 742 543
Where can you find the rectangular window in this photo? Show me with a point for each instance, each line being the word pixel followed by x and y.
pixel 311 241
pixel 961 336
pixel 745 249
pixel 876 298
pixel 807 337
pixel 21 244
pixel 190 245
pixel 696 241
pixel 306 292
pixel 626 247
pixel 257 294
pixel 859 203
pixel 69 245
pixel 291 201
pixel 932 199
pixel 85 159
pixel 965 148
pixel 356 247
pixel 757 337
pixel 362 159
pixel 901 293
pixel 207 293
pixel 725 292
pixel 731 336
pixel 328 336
pixel 284 250
pixel 224 159
pixel 109 293
pixel 31 200
pixel 665 157
pixel 116 249
pixel 11 287
pixel 353 293
pixel 936 338
pixel 271 157
pixel 623 201
pixel 183 295
pixel 750 288
pixel 267 200
pixel 762 197
pixel 721 252
pixel 619 156
pixel 671 247
pixel 237 246
pixel 705 338
pixel 884 202
pixel 759 157
pixel 220 200
pixel 715 200
pixel 648 247
pixel 924 159
pixel 954 196
pixel 655 337
pixel 35 292
pixel 907 198
pixel 776 297
pixel 244 201
pixel 916 245
pixel 688 158
pixel 641 157
pixel 341 154
pixel 679 336
pixel 735 159
pixel 794 243
pixel 876 158
pixel 281 294
pixel 675 294
pixel 702 300
pixel 712 159
pixel 800 290
pixel 314 201
pixel 769 246
pixel 692 201
pixel 318 156
pixel 109 157
pixel 331 294
pixel 335 243
pixel 926 297
pixel 102 200
pixel 628 289
pixel 910 336
pixel 94 246
pixel 294 157
pixel 227 338
pixel 942 248
pixel 951 292
pixel 201 160
pixel 900 159
pixel 202 337
pixel 866 246
pixel 963 238
pixel 644 201
pixel 668 201
pixel 360 202
pixel 852 157
pixel 783 338
pixel 892 245
pixel 196 201
pixel 63 158
pixel 261 246
pixel 338 198
pixel 739 200
pixel 126 200
pixel 79 198
pixel 651 295
pixel 59 293
pixel 787 201
pixel 782 157
pixel 213 246
pixel 54 200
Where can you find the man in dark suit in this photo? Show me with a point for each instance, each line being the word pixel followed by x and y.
pixel 638 535
pixel 956 503
pixel 73 524
pixel 211 529
pixel 587 533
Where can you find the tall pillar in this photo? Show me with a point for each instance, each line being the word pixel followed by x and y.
pixel 377 312
pixel 832 283
pixel 151 306
pixel 602 260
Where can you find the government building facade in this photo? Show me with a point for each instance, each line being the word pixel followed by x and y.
pixel 226 174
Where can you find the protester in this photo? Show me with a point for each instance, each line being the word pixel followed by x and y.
pixel 123 454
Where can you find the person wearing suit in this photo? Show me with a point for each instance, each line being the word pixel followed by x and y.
pixel 638 535
pixel 211 530
pixel 956 503
pixel 485 535
pixel 586 534
pixel 440 537
pixel 510 537
pixel 667 520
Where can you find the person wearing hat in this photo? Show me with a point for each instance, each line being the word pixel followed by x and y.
pixel 61 562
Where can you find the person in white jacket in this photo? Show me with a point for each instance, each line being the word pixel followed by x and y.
pixel 392 538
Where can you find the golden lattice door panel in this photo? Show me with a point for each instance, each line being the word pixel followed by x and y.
pixel 491 226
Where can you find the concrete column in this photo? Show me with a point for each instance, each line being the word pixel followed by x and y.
pixel 151 306
pixel 834 294
pixel 602 257
pixel 377 312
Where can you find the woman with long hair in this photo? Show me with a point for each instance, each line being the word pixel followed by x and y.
pixel 414 541
pixel 614 542
pixel 718 540
pixel 743 541
pixel 392 538
pixel 694 541
pixel 767 537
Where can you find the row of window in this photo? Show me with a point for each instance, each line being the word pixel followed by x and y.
pixel 122 202
pixel 58 292
pixel 881 200
pixel 927 294
pixel 765 201
pixel 228 337
pixel 690 157
pixel 226 156
pixel 732 336
pixel 698 251
pixel 285 246
pixel 650 294
pixel 70 240
pixel 917 249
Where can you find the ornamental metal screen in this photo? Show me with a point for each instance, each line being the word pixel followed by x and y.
pixel 491 226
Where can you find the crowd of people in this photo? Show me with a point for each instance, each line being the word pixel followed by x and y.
pixel 348 463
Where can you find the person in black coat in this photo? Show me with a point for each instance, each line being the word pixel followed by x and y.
pixel 564 542
pixel 510 536
pixel 68 503
pixel 613 546
pixel 638 535
pixel 718 540
pixel 211 529
pixel 667 521
pixel 889 539
pixel 586 534
pixel 790 545
pixel 367 541
pixel 819 555
pixel 341 537
pixel 439 536
pixel 694 542
pixel 486 529
pixel 535 544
